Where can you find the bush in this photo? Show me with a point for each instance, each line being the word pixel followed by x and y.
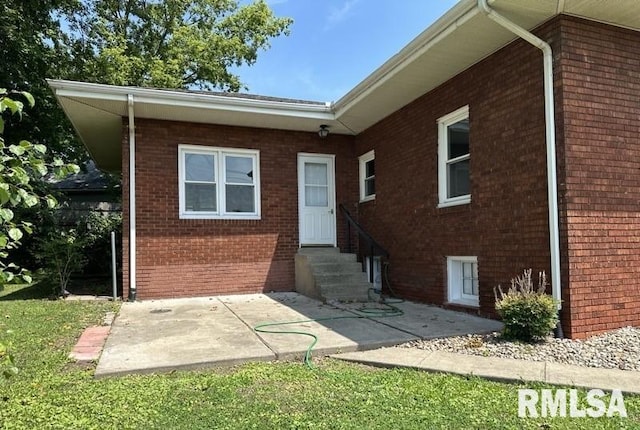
pixel 81 249
pixel 528 313
pixel 62 255
pixel 95 228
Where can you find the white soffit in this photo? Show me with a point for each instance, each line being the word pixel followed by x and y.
pixel 96 112
pixel 622 13
pixel 99 130
pixel 459 39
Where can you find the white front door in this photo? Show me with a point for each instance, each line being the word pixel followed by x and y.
pixel 316 199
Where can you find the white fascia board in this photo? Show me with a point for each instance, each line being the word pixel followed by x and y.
pixel 454 18
pixel 83 90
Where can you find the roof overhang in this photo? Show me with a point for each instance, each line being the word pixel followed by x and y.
pixel 456 41
pixel 96 112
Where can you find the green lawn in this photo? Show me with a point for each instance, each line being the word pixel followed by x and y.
pixel 52 392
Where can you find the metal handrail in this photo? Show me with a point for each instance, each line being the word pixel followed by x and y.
pixel 374 248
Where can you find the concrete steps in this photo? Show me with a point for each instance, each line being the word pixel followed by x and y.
pixel 327 274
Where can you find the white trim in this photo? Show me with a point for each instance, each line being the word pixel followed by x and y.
pixel 73 89
pixel 132 197
pixel 443 145
pixel 455 293
pixel 219 154
pixel 362 167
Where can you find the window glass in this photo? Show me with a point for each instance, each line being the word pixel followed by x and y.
pixel 317 196
pixel 315 174
pixel 369 187
pixel 200 197
pixel 238 170
pixel 463 284
pixel 468 278
pixel 203 168
pixel 367 176
pixel 458 179
pixel 370 168
pixel 458 139
pixel 454 179
pixel 240 198
pixel 200 167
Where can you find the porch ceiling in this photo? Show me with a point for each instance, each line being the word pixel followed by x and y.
pixel 459 39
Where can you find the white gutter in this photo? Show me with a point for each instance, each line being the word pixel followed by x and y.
pixel 80 90
pixel 550 132
pixel 132 200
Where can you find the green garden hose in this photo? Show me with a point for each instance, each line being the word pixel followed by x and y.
pixel 388 311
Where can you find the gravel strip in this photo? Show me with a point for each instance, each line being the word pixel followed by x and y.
pixel 619 349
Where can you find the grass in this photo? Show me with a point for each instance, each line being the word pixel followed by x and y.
pixel 52 392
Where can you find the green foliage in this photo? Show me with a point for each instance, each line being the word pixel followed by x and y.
pixel 22 165
pixel 528 313
pixel 7 364
pixel 64 251
pixel 96 230
pixel 52 392
pixel 61 255
pixel 171 43
pixel 34 47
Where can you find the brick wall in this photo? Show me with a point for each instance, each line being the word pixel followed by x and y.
pixel 600 107
pixel 505 225
pixel 597 109
pixel 206 257
pixel 597 89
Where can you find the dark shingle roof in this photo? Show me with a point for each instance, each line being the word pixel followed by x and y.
pixel 88 179
pixel 245 96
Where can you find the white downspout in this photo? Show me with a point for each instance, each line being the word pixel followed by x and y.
pixel 132 200
pixel 550 131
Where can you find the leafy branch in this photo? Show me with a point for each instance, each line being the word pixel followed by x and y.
pixel 21 165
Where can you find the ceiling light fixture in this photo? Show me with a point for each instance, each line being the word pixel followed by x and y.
pixel 324 131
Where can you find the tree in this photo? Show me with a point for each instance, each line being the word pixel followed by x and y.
pixel 33 47
pixel 23 164
pixel 170 43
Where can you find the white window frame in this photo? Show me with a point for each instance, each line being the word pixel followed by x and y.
pixel 220 180
pixel 443 161
pixel 364 159
pixel 455 292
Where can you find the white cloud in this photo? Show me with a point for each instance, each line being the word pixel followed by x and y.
pixel 337 15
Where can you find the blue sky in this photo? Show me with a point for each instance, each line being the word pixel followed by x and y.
pixel 335 44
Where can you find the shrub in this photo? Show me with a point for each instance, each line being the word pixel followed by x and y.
pixel 82 249
pixel 528 313
pixel 95 228
pixel 62 255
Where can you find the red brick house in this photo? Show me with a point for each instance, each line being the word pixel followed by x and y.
pixel 480 149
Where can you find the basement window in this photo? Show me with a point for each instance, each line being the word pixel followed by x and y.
pixel 453 159
pixel 462 281
pixel 367 176
pixel 218 183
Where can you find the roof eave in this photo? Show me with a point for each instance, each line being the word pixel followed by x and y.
pixel 73 89
pixel 455 17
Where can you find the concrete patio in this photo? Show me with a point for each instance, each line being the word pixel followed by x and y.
pixel 163 335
